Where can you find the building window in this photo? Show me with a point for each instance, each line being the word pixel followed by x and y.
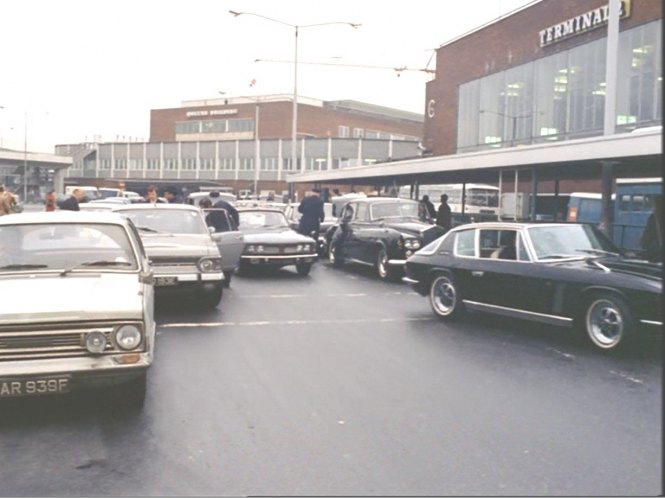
pixel 371 134
pixel 343 131
pixel 357 133
pixel 188 127
pixel 136 164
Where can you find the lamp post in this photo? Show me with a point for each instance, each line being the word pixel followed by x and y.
pixel 296 27
pixel 513 118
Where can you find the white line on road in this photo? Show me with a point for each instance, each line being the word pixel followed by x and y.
pixel 291 296
pixel 292 322
pixel 627 377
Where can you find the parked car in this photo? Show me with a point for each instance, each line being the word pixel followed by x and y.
pixel 77 305
pixel 101 205
pixel 271 243
pixel 293 216
pixel 561 274
pixel 185 258
pixel 381 232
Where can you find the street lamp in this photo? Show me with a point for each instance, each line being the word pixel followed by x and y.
pixel 514 119
pixel 296 27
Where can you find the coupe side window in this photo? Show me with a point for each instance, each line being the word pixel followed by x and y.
pixel 361 212
pixel 465 244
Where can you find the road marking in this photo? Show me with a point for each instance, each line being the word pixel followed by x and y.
pixel 565 355
pixel 292 322
pixel 292 296
pixel 627 377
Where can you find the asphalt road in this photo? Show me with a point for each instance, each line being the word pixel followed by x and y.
pixel 339 384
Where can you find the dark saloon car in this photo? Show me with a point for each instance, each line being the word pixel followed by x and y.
pixel 561 274
pixel 381 232
pixel 271 243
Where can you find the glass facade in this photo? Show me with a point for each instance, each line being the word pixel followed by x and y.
pixel 562 97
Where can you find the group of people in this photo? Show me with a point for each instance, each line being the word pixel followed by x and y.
pixel 441 216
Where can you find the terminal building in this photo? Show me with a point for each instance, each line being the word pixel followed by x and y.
pixel 221 140
pixel 538 75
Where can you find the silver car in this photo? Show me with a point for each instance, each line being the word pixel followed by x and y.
pixel 76 307
pixel 185 259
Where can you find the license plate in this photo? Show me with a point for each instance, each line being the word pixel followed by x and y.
pixel 34 386
pixel 163 281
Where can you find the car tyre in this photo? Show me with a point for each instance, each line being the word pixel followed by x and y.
pixel 212 298
pixel 383 269
pixel 445 296
pixel 303 269
pixel 131 395
pixel 334 256
pixel 608 322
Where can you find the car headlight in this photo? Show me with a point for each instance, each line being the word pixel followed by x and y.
pixel 128 337
pixel 95 342
pixel 250 248
pixel 412 244
pixel 207 265
pixel 259 248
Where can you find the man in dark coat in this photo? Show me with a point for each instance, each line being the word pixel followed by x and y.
pixel 72 202
pixel 443 214
pixel 217 219
pixel 311 208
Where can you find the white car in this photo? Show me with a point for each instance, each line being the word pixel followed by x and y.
pixel 77 305
pixel 185 258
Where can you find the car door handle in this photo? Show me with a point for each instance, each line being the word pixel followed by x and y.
pixel 477 273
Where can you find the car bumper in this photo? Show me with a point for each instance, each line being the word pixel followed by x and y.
pixel 280 260
pixel 54 376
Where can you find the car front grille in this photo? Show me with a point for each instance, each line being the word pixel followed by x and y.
pixel 174 265
pixel 51 341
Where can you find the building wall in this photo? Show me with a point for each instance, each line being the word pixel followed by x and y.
pixel 275 121
pixel 504 44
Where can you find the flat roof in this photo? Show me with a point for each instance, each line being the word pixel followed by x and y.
pixel 635 154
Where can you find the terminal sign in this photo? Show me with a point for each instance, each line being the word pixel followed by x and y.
pixel 580 24
pixel 213 112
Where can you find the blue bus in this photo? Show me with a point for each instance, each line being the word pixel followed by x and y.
pixel 632 204
pixel 635 201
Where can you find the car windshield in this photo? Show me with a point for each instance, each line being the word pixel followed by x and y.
pixel 262 219
pixel 569 241
pixel 167 221
pixel 65 246
pixel 398 209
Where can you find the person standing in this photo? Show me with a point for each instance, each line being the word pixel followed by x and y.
pixel 72 202
pixel 426 211
pixel 50 201
pixel 313 214
pixel 171 195
pixel 443 214
pixel 7 201
pixel 216 217
pixel 152 195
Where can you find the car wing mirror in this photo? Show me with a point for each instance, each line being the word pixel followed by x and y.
pixel 211 229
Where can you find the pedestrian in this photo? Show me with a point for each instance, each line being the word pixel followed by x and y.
pixel 443 214
pixel 651 240
pixel 217 219
pixel 426 211
pixel 50 201
pixel 152 195
pixel 7 201
pixel 171 195
pixel 313 214
pixel 72 202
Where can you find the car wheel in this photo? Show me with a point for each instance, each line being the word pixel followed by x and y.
pixel 303 269
pixel 445 297
pixel 334 256
pixel 608 322
pixel 211 298
pixel 381 265
pixel 131 395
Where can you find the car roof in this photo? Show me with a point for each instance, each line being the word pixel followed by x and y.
pixel 374 200
pixel 63 216
pixel 157 205
pixel 510 224
pixel 244 209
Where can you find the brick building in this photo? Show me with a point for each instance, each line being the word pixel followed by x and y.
pixel 538 74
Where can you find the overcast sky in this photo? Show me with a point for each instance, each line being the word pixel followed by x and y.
pixel 86 68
